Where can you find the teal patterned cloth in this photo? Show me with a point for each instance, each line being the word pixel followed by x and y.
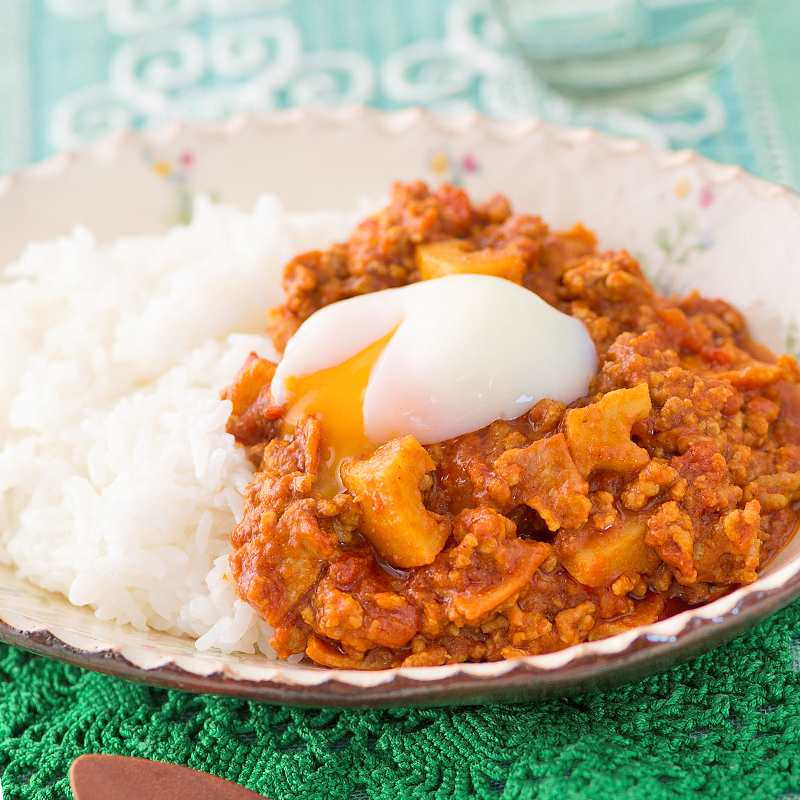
pixel 726 725
pixel 72 70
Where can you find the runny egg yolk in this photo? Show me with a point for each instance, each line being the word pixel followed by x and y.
pixel 336 397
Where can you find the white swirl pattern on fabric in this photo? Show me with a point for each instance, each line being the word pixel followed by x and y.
pixel 236 8
pixel 129 17
pixel 76 9
pixel 240 50
pixel 144 70
pixel 423 72
pixel 151 13
pixel 87 115
pixel 169 67
pixel 332 77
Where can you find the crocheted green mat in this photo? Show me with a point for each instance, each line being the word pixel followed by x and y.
pixel 725 726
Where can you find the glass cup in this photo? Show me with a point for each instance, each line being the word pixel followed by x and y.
pixel 591 47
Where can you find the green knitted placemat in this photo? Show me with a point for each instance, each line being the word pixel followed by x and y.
pixel 726 725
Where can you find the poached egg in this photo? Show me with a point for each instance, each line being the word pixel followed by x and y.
pixel 435 359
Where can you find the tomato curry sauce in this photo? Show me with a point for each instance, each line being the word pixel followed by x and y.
pixel 673 481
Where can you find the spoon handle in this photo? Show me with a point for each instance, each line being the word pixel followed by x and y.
pixel 102 777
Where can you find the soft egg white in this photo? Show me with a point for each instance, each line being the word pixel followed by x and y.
pixel 464 350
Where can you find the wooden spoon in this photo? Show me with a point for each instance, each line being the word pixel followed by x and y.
pixel 101 777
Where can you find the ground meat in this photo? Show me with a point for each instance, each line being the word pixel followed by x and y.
pixel 674 480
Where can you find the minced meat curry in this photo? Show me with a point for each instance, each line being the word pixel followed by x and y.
pixel 673 481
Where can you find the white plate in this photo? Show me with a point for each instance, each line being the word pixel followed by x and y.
pixel 692 223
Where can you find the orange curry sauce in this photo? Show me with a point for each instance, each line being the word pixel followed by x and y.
pixel 673 481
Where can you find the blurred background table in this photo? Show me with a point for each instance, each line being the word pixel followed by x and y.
pixel 726 725
pixel 73 70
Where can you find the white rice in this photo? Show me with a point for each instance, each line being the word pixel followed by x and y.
pixel 118 484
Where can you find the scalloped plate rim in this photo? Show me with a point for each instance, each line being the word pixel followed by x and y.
pixel 648 649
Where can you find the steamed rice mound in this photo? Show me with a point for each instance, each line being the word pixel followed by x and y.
pixel 119 486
